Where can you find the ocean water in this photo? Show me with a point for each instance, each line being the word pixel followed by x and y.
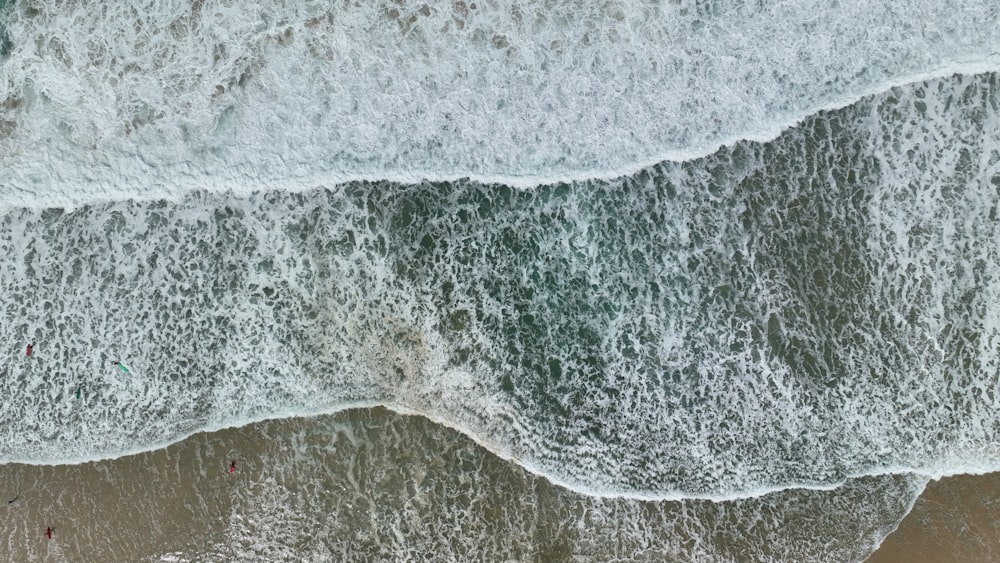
pixel 370 485
pixel 151 99
pixel 660 252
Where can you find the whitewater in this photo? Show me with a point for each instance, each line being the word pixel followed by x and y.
pixel 678 333
pixel 236 201
pixel 152 100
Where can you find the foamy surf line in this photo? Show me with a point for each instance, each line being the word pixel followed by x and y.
pixel 683 330
pixel 247 97
pixel 159 184
pixel 504 454
pixel 451 484
pixel 673 496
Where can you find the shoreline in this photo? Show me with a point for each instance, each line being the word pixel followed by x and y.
pixel 955 519
pixel 371 484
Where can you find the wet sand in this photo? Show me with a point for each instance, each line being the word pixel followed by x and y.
pixel 371 485
pixel 955 519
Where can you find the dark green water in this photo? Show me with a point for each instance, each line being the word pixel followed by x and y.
pixel 789 314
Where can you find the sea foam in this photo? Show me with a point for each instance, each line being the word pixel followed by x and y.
pixel 788 314
pixel 152 100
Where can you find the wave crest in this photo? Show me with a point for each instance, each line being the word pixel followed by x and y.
pixel 155 100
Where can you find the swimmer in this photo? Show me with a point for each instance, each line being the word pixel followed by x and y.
pixel 30 346
pixel 232 466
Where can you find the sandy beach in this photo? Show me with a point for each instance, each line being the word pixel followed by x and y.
pixel 372 485
pixel 955 519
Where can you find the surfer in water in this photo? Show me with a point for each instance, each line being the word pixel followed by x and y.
pixel 121 366
pixel 232 466
pixel 48 532
pixel 28 352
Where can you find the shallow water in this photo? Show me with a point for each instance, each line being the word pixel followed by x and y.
pixel 516 221
pixel 373 485
pixel 154 98
pixel 775 315
pixel 955 519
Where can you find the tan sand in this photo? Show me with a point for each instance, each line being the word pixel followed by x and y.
pixel 955 519
pixel 370 485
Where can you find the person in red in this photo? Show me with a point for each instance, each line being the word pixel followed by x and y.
pixel 232 467
pixel 30 346
pixel 48 532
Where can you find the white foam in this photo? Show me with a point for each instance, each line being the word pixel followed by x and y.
pixel 784 315
pixel 107 104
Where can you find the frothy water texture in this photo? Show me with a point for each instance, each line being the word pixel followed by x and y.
pixel 153 99
pixel 786 314
pixel 230 199
pixel 374 486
